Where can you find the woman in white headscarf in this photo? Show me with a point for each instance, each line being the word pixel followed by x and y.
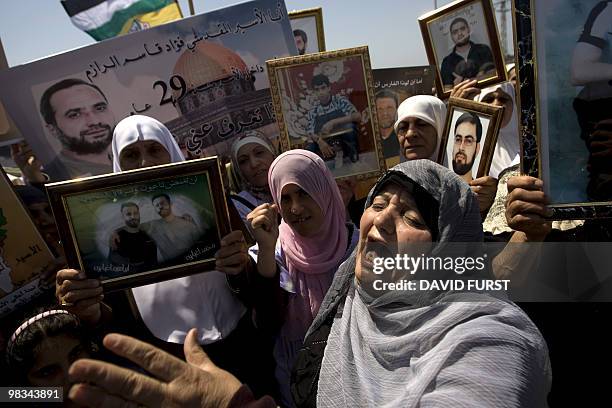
pixel 507 149
pixel 419 126
pixel 170 308
pixel 251 156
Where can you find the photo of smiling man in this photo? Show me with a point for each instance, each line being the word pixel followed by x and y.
pixel 77 115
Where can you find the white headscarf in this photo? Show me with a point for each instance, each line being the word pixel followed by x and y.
pixel 139 128
pixel 171 308
pixel 508 147
pixel 425 107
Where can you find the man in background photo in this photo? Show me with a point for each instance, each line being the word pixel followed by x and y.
pixel 301 41
pixel 135 247
pixel 386 109
pixel 332 122
pixel 467 59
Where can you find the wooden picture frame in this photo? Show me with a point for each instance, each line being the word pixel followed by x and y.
pixel 298 20
pixel 349 139
pixel 473 21
pixel 489 117
pixel 181 214
pixel 552 125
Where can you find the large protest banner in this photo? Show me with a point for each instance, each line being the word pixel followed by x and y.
pixel 204 77
pixel 24 255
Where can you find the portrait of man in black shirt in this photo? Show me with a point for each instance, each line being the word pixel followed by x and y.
pixel 467 60
pixel 135 248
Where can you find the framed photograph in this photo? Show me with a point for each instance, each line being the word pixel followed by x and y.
pixel 307 26
pixel 469 137
pixel 325 103
pixel 391 87
pixel 566 102
pixel 462 42
pixel 143 226
pixel 25 258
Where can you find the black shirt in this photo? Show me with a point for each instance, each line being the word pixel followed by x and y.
pixel 135 248
pixel 480 54
pixel 390 145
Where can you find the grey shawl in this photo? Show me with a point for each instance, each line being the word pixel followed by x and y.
pixel 437 349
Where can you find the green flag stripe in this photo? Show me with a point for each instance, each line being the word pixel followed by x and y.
pixel 116 23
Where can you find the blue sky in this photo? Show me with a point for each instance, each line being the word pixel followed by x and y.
pixel 33 29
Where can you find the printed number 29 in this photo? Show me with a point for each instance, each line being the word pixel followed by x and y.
pixel 177 83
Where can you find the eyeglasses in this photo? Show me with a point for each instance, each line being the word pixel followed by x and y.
pixel 467 140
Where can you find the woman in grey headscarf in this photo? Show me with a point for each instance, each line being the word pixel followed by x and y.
pixel 397 349
pixel 418 348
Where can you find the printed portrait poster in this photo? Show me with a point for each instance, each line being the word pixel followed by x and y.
pixel 23 252
pixel 391 87
pixel 204 77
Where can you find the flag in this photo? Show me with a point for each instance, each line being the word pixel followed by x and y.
pixel 104 19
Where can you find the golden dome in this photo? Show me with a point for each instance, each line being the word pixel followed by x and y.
pixel 208 62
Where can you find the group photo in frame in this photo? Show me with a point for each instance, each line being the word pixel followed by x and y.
pixel 143 226
pixel 307 26
pixel 325 103
pixel 566 103
pixel 469 137
pixel 462 42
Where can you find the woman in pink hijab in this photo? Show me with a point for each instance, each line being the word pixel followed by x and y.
pixel 304 252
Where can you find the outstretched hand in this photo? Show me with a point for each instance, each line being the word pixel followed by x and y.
pixel 175 383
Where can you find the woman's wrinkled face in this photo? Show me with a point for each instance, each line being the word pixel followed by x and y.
pixel 301 211
pixel 417 138
pixel 392 225
pixel 501 98
pixel 52 359
pixel 254 161
pixel 143 153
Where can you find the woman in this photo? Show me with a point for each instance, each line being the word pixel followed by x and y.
pixel 305 250
pixel 169 309
pixel 43 347
pixel 423 348
pixel 507 148
pixel 252 156
pixel 407 348
pixel 419 126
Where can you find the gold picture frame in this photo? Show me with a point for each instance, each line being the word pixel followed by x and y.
pixel 482 156
pixel 317 14
pixel 344 129
pixel 181 213
pixel 486 53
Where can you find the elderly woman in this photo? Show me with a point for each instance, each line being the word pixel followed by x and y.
pixel 419 126
pixel 366 348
